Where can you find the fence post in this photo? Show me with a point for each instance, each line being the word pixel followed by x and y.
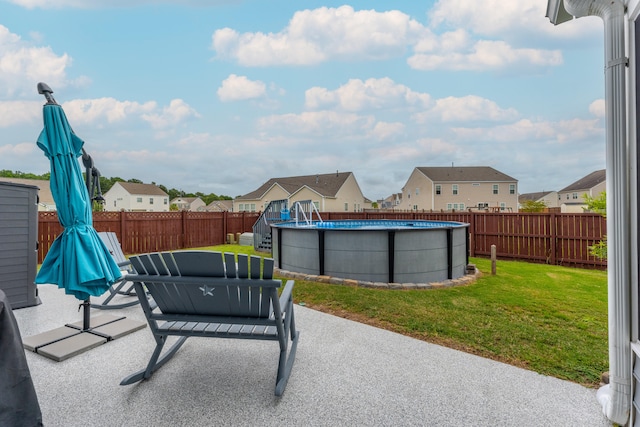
pixel 472 235
pixel 553 231
pixel 493 260
pixel 124 239
pixel 183 230
pixel 224 223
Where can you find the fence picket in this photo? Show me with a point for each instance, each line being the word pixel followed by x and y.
pixel 552 238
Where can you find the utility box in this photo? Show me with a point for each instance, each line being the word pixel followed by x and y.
pixel 19 243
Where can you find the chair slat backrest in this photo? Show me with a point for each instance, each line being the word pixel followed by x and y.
pixel 223 290
pixel 110 240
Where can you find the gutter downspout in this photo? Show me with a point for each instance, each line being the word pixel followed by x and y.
pixel 615 397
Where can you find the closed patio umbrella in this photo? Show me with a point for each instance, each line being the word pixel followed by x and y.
pixel 78 261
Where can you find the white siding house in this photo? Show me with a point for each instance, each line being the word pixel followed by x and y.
pixel 129 196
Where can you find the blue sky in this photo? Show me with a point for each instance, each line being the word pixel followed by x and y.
pixel 218 96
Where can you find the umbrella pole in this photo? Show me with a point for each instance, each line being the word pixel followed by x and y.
pixel 86 315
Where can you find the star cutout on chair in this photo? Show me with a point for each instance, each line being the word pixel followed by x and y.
pixel 206 290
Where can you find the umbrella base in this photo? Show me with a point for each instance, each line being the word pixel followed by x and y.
pixel 70 340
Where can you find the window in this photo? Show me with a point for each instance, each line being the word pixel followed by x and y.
pixel 150 200
pixel 240 207
pixel 449 206
pixel 346 207
pixel 438 189
pixel 417 191
pixel 454 189
pixel 415 207
pixel 317 205
pixel 166 201
pixel 495 188
pixel 512 189
pixel 567 196
pixel 503 206
pixel 139 200
pixel 575 196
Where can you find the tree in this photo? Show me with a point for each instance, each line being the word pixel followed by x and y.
pixel 598 205
pixel 533 206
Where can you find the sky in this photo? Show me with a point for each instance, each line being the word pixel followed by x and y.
pixel 219 96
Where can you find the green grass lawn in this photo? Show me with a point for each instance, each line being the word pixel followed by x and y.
pixel 549 319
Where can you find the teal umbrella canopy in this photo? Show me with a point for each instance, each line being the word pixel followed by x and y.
pixel 78 260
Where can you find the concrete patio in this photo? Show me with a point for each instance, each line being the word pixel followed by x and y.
pixel 345 373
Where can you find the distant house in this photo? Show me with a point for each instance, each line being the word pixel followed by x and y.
pixel 45 198
pixel 571 198
pixel 189 204
pixel 129 196
pixel 391 202
pixel 450 188
pixel 332 192
pixel 220 206
pixel 549 198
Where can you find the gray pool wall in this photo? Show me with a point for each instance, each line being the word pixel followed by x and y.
pixel 394 255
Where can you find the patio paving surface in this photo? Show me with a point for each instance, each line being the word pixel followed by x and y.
pixel 345 374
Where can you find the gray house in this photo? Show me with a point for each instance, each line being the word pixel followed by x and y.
pixel 571 198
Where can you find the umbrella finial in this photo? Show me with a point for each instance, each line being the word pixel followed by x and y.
pixel 44 89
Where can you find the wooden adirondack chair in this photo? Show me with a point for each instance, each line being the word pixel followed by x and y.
pixel 122 287
pixel 208 294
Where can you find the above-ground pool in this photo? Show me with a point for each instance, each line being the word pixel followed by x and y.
pixel 392 251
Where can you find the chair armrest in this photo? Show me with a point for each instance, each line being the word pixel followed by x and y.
pixel 285 296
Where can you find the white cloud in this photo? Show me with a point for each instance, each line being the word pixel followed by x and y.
pixel 564 131
pixel 319 123
pixel 343 34
pixel 100 4
pixel 23 65
pixel 484 55
pixel 517 20
pixel 175 113
pixel 322 34
pixel 17 150
pixel 109 110
pixel 598 108
pixel 238 88
pixel 385 131
pixel 20 112
pixel 466 108
pixel 357 95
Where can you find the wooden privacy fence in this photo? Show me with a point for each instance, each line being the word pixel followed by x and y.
pixel 142 232
pixel 552 238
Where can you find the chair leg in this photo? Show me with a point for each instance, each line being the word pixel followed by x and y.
pixel 286 362
pixel 113 291
pixel 155 362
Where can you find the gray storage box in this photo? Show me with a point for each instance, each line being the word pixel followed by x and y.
pixel 18 243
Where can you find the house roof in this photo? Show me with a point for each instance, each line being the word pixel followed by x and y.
pixel 220 205
pixel 146 189
pixel 44 195
pixel 464 174
pixel 533 196
pixel 326 185
pixel 186 199
pixel 589 181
